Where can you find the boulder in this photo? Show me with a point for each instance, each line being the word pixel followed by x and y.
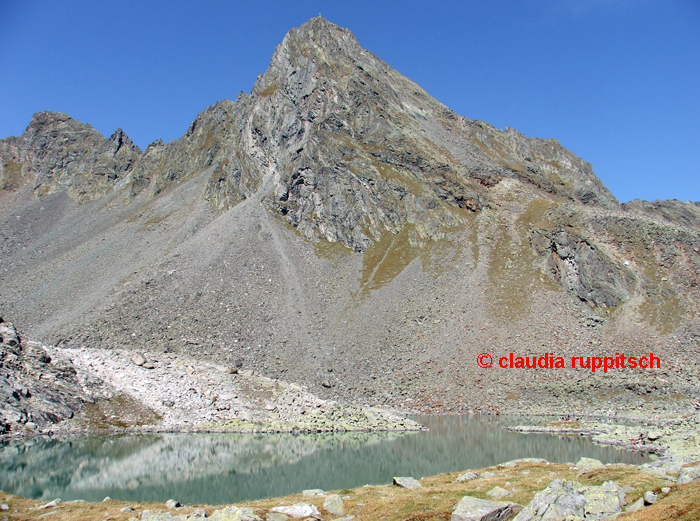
pixel 605 499
pixel 649 497
pixel 9 339
pixel 334 505
pixel 172 503
pixel 313 492
pixel 276 516
pixel 50 504
pixel 474 509
pixel 138 359
pixel 35 353
pixel 407 482
pixel 234 514
pixel 498 493
pixel 147 515
pixel 513 463
pixel 467 476
pixel 637 505
pixel 586 464
pixel 689 474
pixel 299 510
pixel 661 468
pixel 569 499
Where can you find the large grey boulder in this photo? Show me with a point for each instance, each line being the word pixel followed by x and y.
pixel 571 500
pixel 661 469
pixel 586 464
pixel 234 514
pixel 650 497
pixel 407 482
pixel 299 510
pixel 467 476
pixel 601 501
pixel 498 493
pixel 335 505
pixel 475 509
pixel 689 474
pixel 147 515
pixel 276 516
pixel 637 505
pixel 313 492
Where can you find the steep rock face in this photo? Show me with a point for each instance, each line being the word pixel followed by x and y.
pixel 56 151
pixel 34 389
pixel 357 150
pixel 211 142
pixel 582 269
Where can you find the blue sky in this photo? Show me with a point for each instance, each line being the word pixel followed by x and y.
pixel 615 81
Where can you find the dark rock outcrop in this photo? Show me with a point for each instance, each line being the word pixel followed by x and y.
pixel 582 269
pixel 35 391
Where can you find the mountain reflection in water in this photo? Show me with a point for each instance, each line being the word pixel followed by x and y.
pixel 225 468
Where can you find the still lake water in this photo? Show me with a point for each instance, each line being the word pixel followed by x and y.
pixel 226 468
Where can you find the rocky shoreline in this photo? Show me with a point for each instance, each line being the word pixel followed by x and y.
pixel 672 440
pixel 117 391
pixel 528 489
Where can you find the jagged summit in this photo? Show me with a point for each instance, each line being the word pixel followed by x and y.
pixel 322 95
pixel 56 152
pixel 323 33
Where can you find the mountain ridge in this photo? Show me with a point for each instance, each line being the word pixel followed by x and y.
pixel 338 225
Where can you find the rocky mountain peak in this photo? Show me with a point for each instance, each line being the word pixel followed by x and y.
pixel 464 236
pixel 357 150
pixel 317 38
pixel 121 141
pixel 56 152
pixel 323 33
pixel 47 118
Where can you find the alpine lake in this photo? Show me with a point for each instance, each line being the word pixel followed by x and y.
pixel 226 468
